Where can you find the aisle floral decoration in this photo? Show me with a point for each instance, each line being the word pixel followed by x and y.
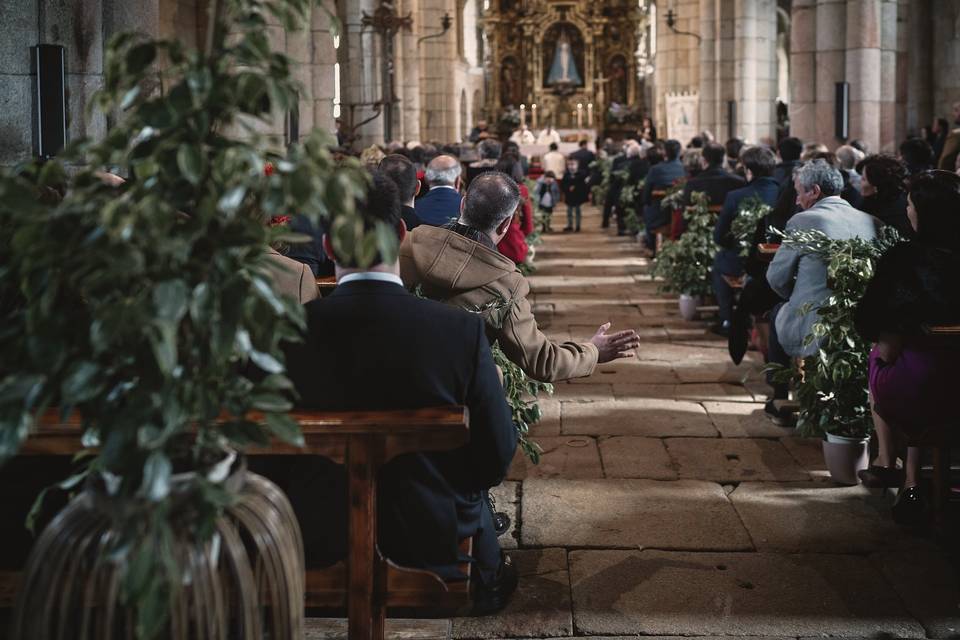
pixel 832 385
pixel 752 211
pixel 684 264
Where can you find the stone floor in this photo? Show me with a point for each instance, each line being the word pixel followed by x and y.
pixel 666 504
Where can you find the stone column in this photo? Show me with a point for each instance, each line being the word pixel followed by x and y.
pixel 678 61
pixel 803 69
pixel 830 66
pixel 863 69
pixel 16 84
pixel 709 83
pixel 360 60
pixel 322 70
pixel 919 73
pixel 946 57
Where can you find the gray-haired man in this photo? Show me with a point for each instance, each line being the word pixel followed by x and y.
pixel 442 202
pixel 802 279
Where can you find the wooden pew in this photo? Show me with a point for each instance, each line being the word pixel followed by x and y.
pixel 326 284
pixel 940 439
pixel 366 584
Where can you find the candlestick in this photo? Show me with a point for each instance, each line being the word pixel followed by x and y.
pixel 533 110
pixel 523 115
pixel 580 115
pixel 590 114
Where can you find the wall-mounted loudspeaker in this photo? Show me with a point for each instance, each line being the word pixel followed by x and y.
pixel 50 100
pixel 841 111
pixel 732 118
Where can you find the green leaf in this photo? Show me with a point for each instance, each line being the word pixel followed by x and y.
pixel 79 384
pixel 164 343
pixel 270 403
pixel 285 428
pixel 244 433
pixel 232 199
pixel 266 361
pixel 170 300
pixel 190 163
pixel 156 476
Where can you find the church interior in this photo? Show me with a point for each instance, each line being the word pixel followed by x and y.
pixel 423 319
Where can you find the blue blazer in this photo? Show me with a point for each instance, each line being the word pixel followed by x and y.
pixel 660 176
pixel 766 188
pixel 439 206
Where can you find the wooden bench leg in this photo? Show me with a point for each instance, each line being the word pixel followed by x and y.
pixel 941 485
pixel 367 571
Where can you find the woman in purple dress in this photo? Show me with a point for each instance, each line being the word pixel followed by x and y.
pixel 912 378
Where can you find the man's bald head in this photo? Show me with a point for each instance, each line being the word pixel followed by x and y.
pixel 492 198
pixel 443 171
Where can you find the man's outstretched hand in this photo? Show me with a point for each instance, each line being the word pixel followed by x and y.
pixel 613 346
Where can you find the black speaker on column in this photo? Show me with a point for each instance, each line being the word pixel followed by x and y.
pixel 732 118
pixel 841 111
pixel 50 100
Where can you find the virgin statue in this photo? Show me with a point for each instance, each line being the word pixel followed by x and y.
pixel 564 68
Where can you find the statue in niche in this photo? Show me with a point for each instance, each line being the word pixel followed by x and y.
pixel 511 88
pixel 564 71
pixel 617 73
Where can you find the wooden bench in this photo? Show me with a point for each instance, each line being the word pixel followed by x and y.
pixel 767 250
pixel 326 284
pixel 366 583
pixel 941 438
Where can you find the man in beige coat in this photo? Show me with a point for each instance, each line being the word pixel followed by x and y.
pixel 291 279
pixel 459 264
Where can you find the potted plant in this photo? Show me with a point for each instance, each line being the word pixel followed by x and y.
pixel 832 385
pixel 140 309
pixel 752 211
pixel 684 264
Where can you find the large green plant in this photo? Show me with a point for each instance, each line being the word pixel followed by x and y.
pixel 684 264
pixel 752 210
pixel 139 308
pixel 604 167
pixel 832 384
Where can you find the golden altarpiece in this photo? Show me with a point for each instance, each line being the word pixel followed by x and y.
pixel 567 60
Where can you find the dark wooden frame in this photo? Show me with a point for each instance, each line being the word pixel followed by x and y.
pixel 366 583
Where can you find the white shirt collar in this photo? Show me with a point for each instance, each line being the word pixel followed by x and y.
pixel 377 276
pixel 443 186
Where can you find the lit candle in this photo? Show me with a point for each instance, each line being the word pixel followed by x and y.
pixel 590 114
pixel 533 111
pixel 523 115
pixel 579 115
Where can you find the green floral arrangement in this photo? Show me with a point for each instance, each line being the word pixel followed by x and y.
pixel 628 202
pixel 674 198
pixel 752 211
pixel 603 166
pixel 520 391
pixel 138 308
pixel 832 385
pixel 541 218
pixel 684 264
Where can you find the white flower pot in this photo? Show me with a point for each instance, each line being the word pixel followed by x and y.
pixel 845 457
pixel 688 306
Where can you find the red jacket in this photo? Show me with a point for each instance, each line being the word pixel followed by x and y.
pixel 514 244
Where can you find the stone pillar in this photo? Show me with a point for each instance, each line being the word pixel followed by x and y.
pixel 803 69
pixel 16 85
pixel 323 64
pixel 918 15
pixel 678 60
pixel 830 66
pixel 946 57
pixel 360 61
pixel 863 69
pixel 709 82
pixel 755 50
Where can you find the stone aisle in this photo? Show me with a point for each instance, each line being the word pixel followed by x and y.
pixel 666 504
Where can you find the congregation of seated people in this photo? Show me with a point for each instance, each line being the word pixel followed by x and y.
pixel 462 216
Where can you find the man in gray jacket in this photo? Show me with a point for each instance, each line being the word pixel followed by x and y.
pixel 802 279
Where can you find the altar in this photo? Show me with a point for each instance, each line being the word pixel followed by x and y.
pixel 563 63
pixel 569 142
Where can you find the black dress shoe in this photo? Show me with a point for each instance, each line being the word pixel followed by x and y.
pixel 492 597
pixel 910 509
pixel 501 521
pixel 778 415
pixel 720 329
pixel 876 477
pixel 567 229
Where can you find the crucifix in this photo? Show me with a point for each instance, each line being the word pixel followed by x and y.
pixel 387 22
pixel 599 96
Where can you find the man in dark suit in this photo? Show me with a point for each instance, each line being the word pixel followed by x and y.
pixel 759 163
pixel 714 180
pixel 584 158
pixel 790 150
pixel 403 173
pixel 372 345
pixel 442 203
pixel 660 177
